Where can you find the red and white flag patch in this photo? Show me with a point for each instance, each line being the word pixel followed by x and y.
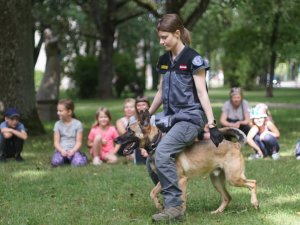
pixel 182 67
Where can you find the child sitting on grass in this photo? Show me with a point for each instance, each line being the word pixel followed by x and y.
pixel 12 136
pixel 67 136
pixel 101 138
pixel 263 135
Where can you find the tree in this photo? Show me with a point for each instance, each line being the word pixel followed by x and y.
pixel 48 93
pixel 16 61
pixel 248 38
pixel 107 15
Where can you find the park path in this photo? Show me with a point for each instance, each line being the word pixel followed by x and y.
pixel 283 105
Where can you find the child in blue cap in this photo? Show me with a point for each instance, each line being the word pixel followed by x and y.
pixel 12 136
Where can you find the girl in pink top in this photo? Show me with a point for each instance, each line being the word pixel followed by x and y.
pixel 101 138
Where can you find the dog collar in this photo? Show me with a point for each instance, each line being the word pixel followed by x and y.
pixel 153 144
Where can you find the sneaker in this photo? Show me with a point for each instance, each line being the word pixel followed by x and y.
pixel 19 158
pixel 298 157
pixel 169 214
pixel 255 156
pixel 276 156
pixel 97 161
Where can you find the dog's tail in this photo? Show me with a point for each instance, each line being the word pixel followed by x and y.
pixel 233 134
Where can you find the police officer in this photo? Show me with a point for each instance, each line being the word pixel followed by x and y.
pixel 186 108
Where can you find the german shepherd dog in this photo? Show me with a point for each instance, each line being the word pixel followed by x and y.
pixel 224 162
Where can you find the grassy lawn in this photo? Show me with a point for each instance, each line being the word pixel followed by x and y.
pixel 35 193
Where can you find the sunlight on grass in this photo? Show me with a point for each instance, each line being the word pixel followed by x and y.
pixel 32 174
pixel 281 200
pixel 283 217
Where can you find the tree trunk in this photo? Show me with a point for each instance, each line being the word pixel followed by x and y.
pixel 48 93
pixel 273 57
pixel 106 70
pixel 16 62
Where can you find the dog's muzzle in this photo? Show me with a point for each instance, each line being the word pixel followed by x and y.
pixel 129 144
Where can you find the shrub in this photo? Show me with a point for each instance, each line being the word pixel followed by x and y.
pixel 85 75
pixel 126 73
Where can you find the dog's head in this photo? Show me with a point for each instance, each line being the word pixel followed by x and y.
pixel 139 134
pixel 130 139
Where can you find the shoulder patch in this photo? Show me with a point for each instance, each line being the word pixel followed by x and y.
pixel 197 61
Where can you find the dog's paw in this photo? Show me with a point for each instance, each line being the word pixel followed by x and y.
pixel 218 211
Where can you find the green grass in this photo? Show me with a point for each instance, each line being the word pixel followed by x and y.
pixel 35 193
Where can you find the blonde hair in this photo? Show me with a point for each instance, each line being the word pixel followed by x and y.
pixel 129 100
pixel 105 111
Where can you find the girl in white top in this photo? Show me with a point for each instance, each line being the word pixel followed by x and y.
pixel 122 123
pixel 263 135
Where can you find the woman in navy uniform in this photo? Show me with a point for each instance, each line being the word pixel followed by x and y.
pixel 186 108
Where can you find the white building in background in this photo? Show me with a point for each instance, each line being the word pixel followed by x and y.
pixel 216 80
pixel 66 82
pixel 41 62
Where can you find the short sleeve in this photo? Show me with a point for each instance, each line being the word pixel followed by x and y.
pixel 199 63
pixel 79 126
pixel 2 125
pixel 91 135
pixel 115 133
pixel 225 107
pixel 56 127
pixel 21 127
pixel 246 106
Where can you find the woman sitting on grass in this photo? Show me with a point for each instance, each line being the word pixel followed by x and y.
pixel 263 135
pixel 101 138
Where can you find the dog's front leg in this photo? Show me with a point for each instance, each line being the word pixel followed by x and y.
pixel 183 187
pixel 154 196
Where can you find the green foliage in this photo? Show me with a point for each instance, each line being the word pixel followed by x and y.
pixel 235 36
pixel 85 75
pixel 38 76
pixel 126 72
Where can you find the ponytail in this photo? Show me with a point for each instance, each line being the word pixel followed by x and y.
pixel 186 37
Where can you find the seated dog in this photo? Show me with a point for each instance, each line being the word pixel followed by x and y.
pixel 224 162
